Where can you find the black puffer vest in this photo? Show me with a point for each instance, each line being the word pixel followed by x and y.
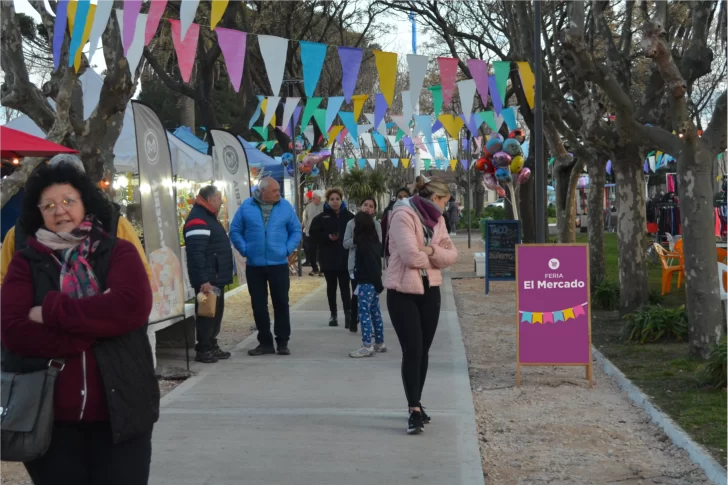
pixel 125 362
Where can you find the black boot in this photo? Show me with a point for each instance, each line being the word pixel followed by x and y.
pixel 348 323
pixel 333 322
pixel 354 326
pixel 206 357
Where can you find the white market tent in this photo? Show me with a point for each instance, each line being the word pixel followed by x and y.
pixel 187 163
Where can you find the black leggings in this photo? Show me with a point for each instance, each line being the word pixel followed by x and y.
pixel 414 318
pixel 342 279
pixel 83 453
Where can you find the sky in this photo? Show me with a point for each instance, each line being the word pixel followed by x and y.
pixel 399 40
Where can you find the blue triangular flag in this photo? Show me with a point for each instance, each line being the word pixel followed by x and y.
pixel 312 57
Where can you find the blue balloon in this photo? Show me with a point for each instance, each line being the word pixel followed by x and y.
pixel 291 169
pixel 315 171
pixel 503 175
pixel 287 158
pixel 494 146
pixel 512 147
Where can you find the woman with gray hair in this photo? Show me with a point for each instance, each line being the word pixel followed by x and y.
pixel 313 208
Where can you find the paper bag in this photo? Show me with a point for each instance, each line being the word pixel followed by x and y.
pixel 206 304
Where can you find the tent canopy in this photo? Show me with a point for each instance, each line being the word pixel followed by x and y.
pixel 16 144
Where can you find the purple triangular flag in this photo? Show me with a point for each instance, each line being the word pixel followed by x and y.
pixel 466 144
pixel 479 72
pixel 470 123
pixel 647 167
pixel 609 167
pixel 131 12
pixel 59 31
pixel 436 126
pixel 296 116
pixel 350 58
pixel 409 145
pixel 494 96
pixel 464 163
pixel 339 163
pixel 380 108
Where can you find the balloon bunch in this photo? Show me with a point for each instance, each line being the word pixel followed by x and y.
pixel 503 162
pixel 308 162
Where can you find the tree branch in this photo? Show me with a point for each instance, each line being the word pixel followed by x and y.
pixel 714 135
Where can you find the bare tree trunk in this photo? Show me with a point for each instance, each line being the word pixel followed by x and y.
pixel 476 179
pixel 631 223
pixel 566 181
pixel 527 211
pixel 695 188
pixel 186 111
pixel 595 209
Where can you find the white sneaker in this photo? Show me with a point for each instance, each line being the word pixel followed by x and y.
pixel 379 348
pixel 453 233
pixel 362 352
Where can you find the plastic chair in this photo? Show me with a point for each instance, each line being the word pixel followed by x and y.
pixel 670 241
pixel 668 269
pixel 722 255
pixel 723 280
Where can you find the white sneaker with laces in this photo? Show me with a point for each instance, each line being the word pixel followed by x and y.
pixel 362 352
pixel 379 348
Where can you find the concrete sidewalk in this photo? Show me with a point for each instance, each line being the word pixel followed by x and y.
pixel 318 416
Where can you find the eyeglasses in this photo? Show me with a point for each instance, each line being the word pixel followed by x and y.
pixel 50 207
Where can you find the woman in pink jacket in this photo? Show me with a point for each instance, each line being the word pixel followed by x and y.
pixel 419 247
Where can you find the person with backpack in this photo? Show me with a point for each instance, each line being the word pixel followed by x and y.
pixel 78 298
pixel 118 225
pixel 368 274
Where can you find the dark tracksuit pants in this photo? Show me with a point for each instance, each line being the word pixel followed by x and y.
pixel 340 278
pixel 209 328
pixel 83 453
pixel 414 318
pixel 259 279
pixel 311 249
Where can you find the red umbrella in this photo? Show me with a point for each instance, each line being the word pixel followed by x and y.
pixel 16 144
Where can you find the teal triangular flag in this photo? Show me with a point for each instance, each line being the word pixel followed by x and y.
pixel 509 116
pixel 312 58
pixel 311 105
pixel 502 70
pixel 262 131
pixel 362 163
pixel 380 141
pixel 526 317
pixel 347 117
pixel 443 147
pixel 256 115
pixel 320 117
pixel 350 163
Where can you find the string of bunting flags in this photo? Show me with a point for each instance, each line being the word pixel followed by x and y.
pixel 553 317
pixel 86 22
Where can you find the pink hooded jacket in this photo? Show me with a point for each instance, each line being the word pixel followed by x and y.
pixel 406 237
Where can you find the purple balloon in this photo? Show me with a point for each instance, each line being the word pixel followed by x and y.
pixel 490 182
pixel 524 176
pixel 502 159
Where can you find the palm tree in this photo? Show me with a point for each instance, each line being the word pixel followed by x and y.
pixel 360 184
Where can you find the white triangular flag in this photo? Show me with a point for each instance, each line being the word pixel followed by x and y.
pixel 101 20
pixel 369 117
pixel 364 128
pixel 134 54
pixel 499 122
pixel 466 89
pixel 417 71
pixel 372 162
pixel 367 139
pixel 399 119
pixel 394 144
pixel 406 106
pixel 270 109
pixel 453 148
pixel 308 133
pixel 288 110
pixel 187 11
pixel 274 51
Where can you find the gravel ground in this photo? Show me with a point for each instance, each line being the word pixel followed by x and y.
pixel 237 325
pixel 553 429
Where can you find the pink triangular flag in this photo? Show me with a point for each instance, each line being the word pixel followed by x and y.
pixel 448 76
pixel 185 49
pixel 548 317
pixel 578 310
pixel 131 12
pixel 479 72
pixel 156 10
pixel 232 44
pixel 479 143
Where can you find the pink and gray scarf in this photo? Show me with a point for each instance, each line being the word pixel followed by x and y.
pixel 73 250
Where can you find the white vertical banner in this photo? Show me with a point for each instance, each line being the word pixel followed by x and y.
pixel 230 169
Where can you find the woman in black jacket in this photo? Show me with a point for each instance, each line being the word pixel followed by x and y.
pixel 368 272
pixel 328 230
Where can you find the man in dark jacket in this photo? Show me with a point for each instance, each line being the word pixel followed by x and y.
pixel 210 267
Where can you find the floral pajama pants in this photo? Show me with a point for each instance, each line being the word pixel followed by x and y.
pixel 370 314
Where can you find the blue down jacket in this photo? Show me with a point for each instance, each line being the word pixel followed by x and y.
pixel 265 244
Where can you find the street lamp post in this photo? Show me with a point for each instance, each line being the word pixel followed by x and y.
pixel 296 174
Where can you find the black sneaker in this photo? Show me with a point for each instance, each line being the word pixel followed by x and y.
pixel 415 424
pixel 221 354
pixel 425 418
pixel 347 321
pixel 261 350
pixel 284 350
pixel 206 357
pixel 333 322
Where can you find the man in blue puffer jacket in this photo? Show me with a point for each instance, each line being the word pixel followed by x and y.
pixel 266 231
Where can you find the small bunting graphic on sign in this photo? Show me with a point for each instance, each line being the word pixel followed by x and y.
pixel 554 317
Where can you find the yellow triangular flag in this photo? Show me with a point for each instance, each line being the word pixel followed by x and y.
pixel 537 317
pixel 568 313
pixel 333 133
pixel 263 107
pixel 387 68
pixel 326 164
pixel 453 164
pixel 359 100
pixel 528 81
pixel 453 124
pixel 86 30
pixel 405 162
pixel 218 9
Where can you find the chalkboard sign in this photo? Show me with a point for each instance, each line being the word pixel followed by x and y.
pixel 501 238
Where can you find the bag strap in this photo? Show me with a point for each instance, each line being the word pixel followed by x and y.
pixel 55 366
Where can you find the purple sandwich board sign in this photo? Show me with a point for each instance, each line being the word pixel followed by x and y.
pixel 553 319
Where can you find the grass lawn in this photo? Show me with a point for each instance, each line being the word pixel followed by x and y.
pixel 664 371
